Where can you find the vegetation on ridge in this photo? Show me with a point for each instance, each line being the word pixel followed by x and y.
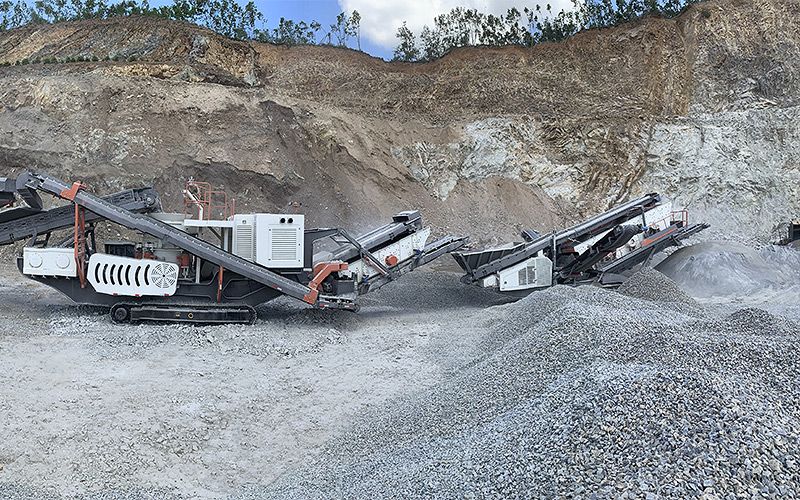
pixel 458 28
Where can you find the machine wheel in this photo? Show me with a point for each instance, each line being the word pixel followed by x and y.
pixel 120 313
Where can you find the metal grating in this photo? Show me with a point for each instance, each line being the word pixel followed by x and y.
pixel 527 275
pixel 244 241
pixel 284 244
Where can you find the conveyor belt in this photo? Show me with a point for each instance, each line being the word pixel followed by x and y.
pixel 600 250
pixel 22 223
pixel 181 239
pixel 497 260
pixel 404 223
pixel 664 239
pixel 431 252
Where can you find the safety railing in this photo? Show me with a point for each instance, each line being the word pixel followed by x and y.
pixel 203 202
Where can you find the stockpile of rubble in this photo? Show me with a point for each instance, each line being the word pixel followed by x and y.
pixel 582 390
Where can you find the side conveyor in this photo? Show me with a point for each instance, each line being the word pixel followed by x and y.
pixel 22 223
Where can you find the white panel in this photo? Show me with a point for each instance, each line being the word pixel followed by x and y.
pixel 489 281
pixel 114 275
pixel 284 243
pixel 536 272
pixel 49 262
pixel 244 243
pixel 279 240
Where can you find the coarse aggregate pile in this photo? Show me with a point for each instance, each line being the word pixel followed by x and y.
pixel 650 284
pixel 585 391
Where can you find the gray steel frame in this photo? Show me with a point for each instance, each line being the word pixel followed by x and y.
pixel 273 283
pixel 580 232
pixel 431 252
pixel 181 239
pixel 645 253
pixel 31 225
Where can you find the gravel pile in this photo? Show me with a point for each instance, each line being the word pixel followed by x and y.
pixel 426 290
pixel 580 391
pixel 650 284
pixel 755 321
pixel 8 491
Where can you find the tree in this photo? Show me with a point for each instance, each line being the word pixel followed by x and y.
pixel 432 46
pixel 354 25
pixel 463 27
pixel 13 15
pixel 339 30
pixel 346 27
pixel 289 32
pixel 229 18
pixel 407 49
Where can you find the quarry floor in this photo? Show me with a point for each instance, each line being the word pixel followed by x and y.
pixel 89 406
pixel 97 410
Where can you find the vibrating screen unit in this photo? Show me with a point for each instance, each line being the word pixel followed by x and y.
pixel 208 266
pixel 599 250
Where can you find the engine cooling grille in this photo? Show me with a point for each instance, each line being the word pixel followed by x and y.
pixel 244 242
pixel 284 244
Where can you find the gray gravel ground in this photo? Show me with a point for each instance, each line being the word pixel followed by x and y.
pixel 116 411
pixel 585 391
pixel 434 389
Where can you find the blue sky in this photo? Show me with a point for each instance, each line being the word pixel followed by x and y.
pixel 324 11
pixel 381 18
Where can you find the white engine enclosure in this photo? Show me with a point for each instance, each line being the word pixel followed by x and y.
pixel 113 275
pixel 49 262
pixel 536 272
pixel 271 240
pixel 403 249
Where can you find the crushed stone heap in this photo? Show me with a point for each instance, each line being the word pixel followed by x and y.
pixel 649 284
pixel 583 390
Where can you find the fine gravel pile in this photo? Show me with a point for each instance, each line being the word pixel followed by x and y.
pixel 581 391
pixel 652 285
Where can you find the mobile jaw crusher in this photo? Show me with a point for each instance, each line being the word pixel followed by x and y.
pixel 171 272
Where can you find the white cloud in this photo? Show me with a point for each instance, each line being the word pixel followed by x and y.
pixel 381 18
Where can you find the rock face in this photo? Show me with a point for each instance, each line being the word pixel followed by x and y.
pixel 704 108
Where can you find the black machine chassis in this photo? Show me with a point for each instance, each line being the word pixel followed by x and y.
pixel 137 312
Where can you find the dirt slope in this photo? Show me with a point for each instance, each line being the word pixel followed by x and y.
pixel 703 108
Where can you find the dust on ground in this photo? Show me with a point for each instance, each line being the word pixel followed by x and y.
pixel 88 406
pixel 434 389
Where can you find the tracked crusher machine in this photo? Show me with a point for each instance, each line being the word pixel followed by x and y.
pixel 172 272
pixel 211 265
pixel 598 250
